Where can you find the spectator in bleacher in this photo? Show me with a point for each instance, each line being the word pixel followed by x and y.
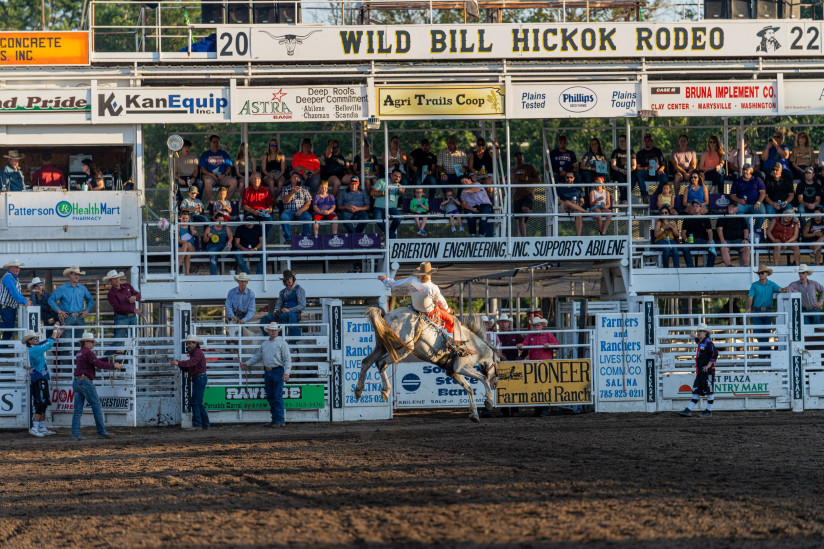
pixel 241 167
pixel 248 238
pixel 450 162
pixel 594 163
pixel 696 190
pixel 480 162
pixel 749 193
pixel 421 164
pixel 307 164
pixel 240 303
pixel 712 163
pixel 195 367
pixel 618 166
pixel 475 200
pixel 821 155
pixel 258 201
pixel 123 299
pixel 218 238
pixel 562 160
pixel 571 199
pixel 397 159
pixel 779 185
pixel 186 238
pixel 784 229
pixel 370 167
pixel 276 359
pixel 802 156
pixel 273 166
pixel 335 169
pixel 11 178
pixel 601 202
pixel 736 160
pixel 86 362
pixel 812 293
pixel 290 304
pixel 523 196
pixel 684 161
pixel 11 297
pixel 353 203
pixel 808 192
pixel 420 205
pixel 94 177
pixel 187 168
pixel 323 208
pixel 650 166
pixel 223 204
pixel 72 300
pixel 666 197
pixel 814 232
pixel 193 206
pixel 216 169
pixel 296 202
pixel 732 229
pixel 666 232
pixel 48 175
pixel 40 298
pixel 378 192
pixel 698 230
pixel 451 207
pixel 775 152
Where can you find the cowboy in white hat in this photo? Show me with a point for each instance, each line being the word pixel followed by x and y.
pixel 11 178
pixel 240 301
pixel 539 346
pixel 11 297
pixel 85 365
pixel 760 299
pixel 195 367
pixel 704 384
pixel 508 341
pixel 810 291
pixel 39 379
pixel 277 361
pixel 72 300
pixel 40 298
pixel 123 298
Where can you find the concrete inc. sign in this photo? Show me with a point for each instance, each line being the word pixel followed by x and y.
pixel 58 209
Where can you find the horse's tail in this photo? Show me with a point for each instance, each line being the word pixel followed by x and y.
pixel 388 339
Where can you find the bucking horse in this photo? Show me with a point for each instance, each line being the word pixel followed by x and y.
pixel 405 331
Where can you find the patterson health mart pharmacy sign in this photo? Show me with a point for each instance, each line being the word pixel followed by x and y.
pixel 58 209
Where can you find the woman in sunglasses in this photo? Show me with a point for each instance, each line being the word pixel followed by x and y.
pixel 335 168
pixel 712 164
pixel 273 166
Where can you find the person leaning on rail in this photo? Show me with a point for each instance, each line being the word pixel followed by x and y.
pixel 11 297
pixel 812 293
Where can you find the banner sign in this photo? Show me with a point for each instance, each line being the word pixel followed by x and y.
pixel 44 48
pixel 803 96
pixel 612 100
pixel 727 385
pixel 492 249
pixel 299 104
pixel 58 209
pixel 11 401
pixel 38 106
pixel 524 41
pixel 160 105
pixel 798 378
pixel 112 399
pixel 237 397
pixel 732 98
pixel 544 383
pixel 440 101
pixel 424 385
pixel 622 373
pixel 358 342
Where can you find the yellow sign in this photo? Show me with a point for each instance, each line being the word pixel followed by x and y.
pixel 441 102
pixel 544 383
pixel 44 48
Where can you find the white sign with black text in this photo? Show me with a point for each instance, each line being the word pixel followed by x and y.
pixel 299 104
pixel 610 100
pixel 160 105
pixel 11 401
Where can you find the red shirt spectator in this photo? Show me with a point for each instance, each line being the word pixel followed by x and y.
pixel 306 162
pixel 257 197
pixel 48 175
pixel 543 341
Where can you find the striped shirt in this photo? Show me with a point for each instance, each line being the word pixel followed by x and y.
pixel 10 292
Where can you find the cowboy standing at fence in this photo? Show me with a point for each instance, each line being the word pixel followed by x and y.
pixel 196 368
pixel 11 297
pixel 86 362
pixel 240 303
pixel 123 298
pixel 760 299
pixel 274 354
pixel 539 346
pixel 812 293
pixel 39 379
pixel 72 300
pixel 704 384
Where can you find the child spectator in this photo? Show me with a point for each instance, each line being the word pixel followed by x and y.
pixel 665 198
pixel 323 208
pixel 193 206
pixel 186 235
pixel 223 204
pixel 419 205
pixel 704 383
pixel 450 207
pixel 601 202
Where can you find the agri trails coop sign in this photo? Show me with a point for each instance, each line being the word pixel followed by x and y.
pixel 53 209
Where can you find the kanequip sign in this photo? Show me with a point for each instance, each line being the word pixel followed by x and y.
pixel 440 101
pixel 58 209
pixel 745 97
pixel 160 105
pixel 293 104
pixel 608 100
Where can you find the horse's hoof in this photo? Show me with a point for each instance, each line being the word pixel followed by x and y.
pixel 489 405
pixel 384 396
pixel 358 394
pixel 474 418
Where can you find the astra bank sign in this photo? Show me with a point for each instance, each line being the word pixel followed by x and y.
pixel 54 209
pixel 596 100
pixel 160 105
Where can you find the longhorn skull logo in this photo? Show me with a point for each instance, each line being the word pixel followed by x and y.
pixel 290 40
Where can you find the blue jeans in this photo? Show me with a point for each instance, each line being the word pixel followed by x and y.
pixel 394 221
pixel 642 176
pixel 262 218
pixel 8 320
pixel 289 215
pixel 84 391
pixel 290 318
pixel 710 261
pixel 429 180
pixel 240 259
pixel 762 321
pixel 123 320
pixel 672 252
pixel 345 215
pixel 486 227
pixel 219 247
pixel 811 319
pixel 75 321
pixel 273 385
pixel 199 416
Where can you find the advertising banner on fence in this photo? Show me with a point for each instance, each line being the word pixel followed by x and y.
pixel 544 383
pixel 44 48
pixel 440 102
pixel 160 105
pixel 557 41
pixel 293 104
pixel 491 249
pixel 58 209
pixel 610 100
pixel 295 397
pixel 731 98
pixel 424 385
pixel 803 96
pixel 358 342
pixel 620 365
pixel 728 385
pixel 112 399
pixel 11 401
pixel 40 106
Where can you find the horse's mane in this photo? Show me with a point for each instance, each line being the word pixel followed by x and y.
pixel 476 326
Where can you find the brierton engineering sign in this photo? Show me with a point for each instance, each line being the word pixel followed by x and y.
pixel 57 209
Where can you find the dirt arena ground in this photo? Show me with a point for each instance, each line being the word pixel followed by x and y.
pixel 426 479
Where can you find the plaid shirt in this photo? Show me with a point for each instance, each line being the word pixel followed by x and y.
pixel 448 160
pixel 298 201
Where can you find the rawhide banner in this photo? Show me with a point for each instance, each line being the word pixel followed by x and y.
pixel 544 383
